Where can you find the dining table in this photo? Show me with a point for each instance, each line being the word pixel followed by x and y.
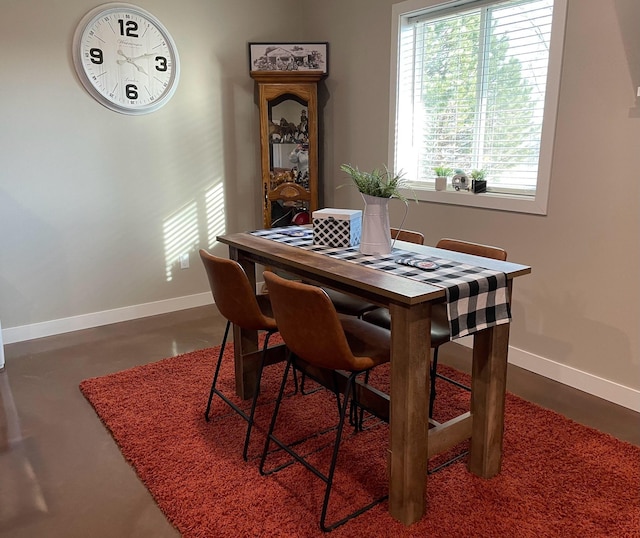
pixel 413 437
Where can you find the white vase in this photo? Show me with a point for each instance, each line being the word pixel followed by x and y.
pixel 376 230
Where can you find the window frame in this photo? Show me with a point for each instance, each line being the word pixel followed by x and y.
pixel 425 191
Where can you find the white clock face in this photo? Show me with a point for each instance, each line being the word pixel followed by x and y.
pixel 126 59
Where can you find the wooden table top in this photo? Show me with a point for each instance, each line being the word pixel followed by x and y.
pixel 379 286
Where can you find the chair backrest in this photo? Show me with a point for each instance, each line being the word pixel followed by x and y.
pixel 474 249
pixel 309 324
pixel 407 235
pixel 233 293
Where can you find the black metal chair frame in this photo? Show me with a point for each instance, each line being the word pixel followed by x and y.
pixel 432 398
pixel 214 390
pixel 434 375
pixel 348 396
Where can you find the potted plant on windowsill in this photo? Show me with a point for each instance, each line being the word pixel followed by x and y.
pixel 478 181
pixel 442 173
pixel 377 188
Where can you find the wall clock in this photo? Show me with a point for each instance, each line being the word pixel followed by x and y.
pixel 125 58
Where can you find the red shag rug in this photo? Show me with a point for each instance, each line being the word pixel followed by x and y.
pixel 558 479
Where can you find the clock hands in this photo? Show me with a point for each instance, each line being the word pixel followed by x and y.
pixel 148 54
pixel 139 68
pixel 132 60
pixel 126 58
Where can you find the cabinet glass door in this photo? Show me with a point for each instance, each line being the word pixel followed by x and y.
pixel 289 146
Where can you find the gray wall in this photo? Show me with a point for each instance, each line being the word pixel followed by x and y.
pixel 85 192
pixel 580 307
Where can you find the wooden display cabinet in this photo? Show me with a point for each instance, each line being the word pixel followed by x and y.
pixel 288 103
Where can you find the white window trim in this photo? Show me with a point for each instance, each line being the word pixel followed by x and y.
pixel 523 204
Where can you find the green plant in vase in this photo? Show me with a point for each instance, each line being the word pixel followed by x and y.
pixel 442 173
pixel 478 182
pixel 377 188
pixel 378 183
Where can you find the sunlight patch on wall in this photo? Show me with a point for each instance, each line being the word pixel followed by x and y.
pixel 214 204
pixel 180 232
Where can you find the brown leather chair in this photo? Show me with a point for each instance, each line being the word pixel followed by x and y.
pixel 440 332
pixel 316 335
pixel 353 306
pixel 237 302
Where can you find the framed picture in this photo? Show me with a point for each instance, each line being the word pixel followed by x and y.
pixel 288 57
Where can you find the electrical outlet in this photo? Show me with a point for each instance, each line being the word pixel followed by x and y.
pixel 184 261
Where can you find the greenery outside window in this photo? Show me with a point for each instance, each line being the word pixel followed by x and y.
pixel 475 85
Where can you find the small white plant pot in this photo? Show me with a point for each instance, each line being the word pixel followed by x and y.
pixel 441 183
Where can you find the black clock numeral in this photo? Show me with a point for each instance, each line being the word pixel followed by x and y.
pixel 162 63
pixel 129 28
pixel 132 91
pixel 96 56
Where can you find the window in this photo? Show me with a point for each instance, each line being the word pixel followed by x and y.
pixel 475 87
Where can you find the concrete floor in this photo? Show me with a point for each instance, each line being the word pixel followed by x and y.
pixel 61 474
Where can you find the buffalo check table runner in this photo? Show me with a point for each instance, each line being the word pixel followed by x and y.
pixel 477 297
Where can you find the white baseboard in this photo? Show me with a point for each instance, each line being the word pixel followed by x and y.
pixel 96 319
pixel 589 383
pixel 567 375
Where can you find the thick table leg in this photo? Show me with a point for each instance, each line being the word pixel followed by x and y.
pixel 409 411
pixel 245 342
pixel 245 370
pixel 488 386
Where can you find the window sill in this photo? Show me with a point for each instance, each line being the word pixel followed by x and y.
pixel 487 200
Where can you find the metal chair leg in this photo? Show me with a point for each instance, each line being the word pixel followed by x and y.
pixel 434 374
pixel 217 372
pixel 303 378
pixel 274 416
pixel 432 398
pixel 328 479
pixel 249 418
pixel 255 396
pixel 432 391
pixel 360 420
pixel 334 459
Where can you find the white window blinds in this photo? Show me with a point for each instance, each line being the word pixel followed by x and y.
pixel 471 91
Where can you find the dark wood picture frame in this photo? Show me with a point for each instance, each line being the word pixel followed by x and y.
pixel 289 57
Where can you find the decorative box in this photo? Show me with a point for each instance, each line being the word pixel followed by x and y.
pixel 337 227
